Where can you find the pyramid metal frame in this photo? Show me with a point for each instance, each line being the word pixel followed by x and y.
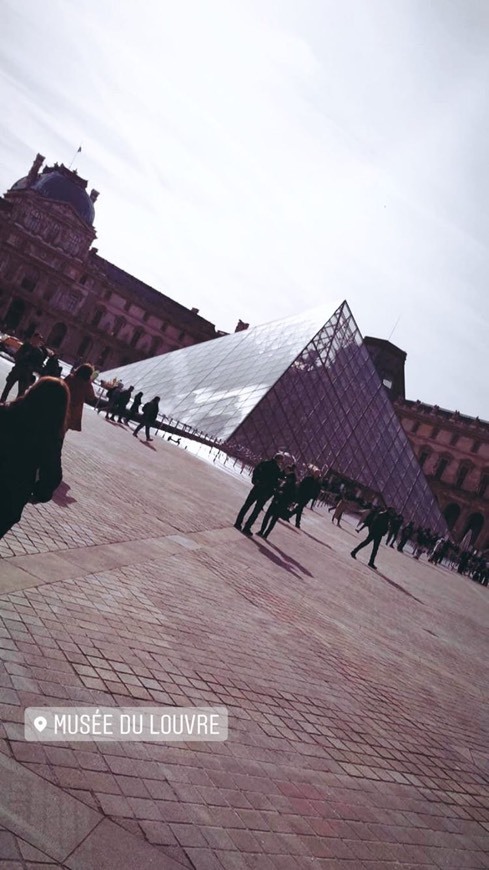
pixel 302 385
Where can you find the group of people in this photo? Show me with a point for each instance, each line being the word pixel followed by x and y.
pixel 118 397
pixel 33 427
pixel 275 485
pixel 274 480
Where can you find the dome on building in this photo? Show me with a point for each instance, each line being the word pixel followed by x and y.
pixel 64 186
pixel 21 184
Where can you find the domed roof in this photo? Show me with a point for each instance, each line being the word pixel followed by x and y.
pixel 64 187
pixel 21 184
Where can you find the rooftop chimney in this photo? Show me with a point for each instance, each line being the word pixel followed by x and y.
pixel 194 310
pixel 94 194
pixel 34 170
pixel 241 326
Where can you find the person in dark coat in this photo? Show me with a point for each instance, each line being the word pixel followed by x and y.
pixel 405 535
pixel 377 529
pixel 31 440
pixel 309 488
pixel 132 413
pixel 265 478
pixel 396 523
pixel 122 403
pixel 150 414
pixel 28 359
pixel 278 509
pixel 52 367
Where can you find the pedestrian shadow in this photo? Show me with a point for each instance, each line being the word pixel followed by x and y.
pixel 146 444
pixel 318 540
pixel 397 586
pixel 61 497
pixel 275 559
pixel 287 558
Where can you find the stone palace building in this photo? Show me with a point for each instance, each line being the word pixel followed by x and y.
pixel 53 280
pixel 452 449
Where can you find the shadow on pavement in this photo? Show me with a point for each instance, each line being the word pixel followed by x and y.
pixel 318 540
pixel 61 497
pixel 396 586
pixel 275 559
pixel 289 559
pixel 146 444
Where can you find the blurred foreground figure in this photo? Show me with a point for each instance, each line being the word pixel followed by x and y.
pixel 31 439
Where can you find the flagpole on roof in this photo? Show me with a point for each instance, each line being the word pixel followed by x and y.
pixel 74 156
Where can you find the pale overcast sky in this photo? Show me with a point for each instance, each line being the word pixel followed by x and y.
pixel 258 157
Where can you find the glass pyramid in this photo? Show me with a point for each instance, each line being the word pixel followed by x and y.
pixel 302 385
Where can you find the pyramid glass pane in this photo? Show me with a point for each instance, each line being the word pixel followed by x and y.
pixel 302 385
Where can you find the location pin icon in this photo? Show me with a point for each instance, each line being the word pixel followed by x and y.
pixel 40 723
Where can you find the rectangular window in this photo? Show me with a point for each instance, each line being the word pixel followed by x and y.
pixel 68 300
pixel 415 428
pixel 454 439
pixel 475 447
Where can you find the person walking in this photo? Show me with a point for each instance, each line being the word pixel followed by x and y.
pixel 150 414
pixel 29 359
pixel 31 440
pixel 81 390
pixel 309 488
pixel 279 506
pixel 396 523
pixel 265 478
pixel 132 413
pixel 113 400
pixel 341 507
pixel 122 403
pixel 406 533
pixel 377 529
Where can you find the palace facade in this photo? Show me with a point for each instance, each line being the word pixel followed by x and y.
pixel 453 451
pixel 53 280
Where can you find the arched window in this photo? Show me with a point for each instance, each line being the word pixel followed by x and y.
pixel 474 525
pixel 136 336
pixel 14 315
pixel 103 357
pixel 482 490
pixel 84 346
pixel 56 336
pixel 98 314
pixel 463 471
pixel 451 514
pixel 119 323
pixel 30 279
pixel 443 463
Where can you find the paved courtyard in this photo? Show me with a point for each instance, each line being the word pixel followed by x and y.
pixel 357 700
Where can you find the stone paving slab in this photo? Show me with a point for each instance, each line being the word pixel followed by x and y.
pixel 40 813
pixel 357 700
